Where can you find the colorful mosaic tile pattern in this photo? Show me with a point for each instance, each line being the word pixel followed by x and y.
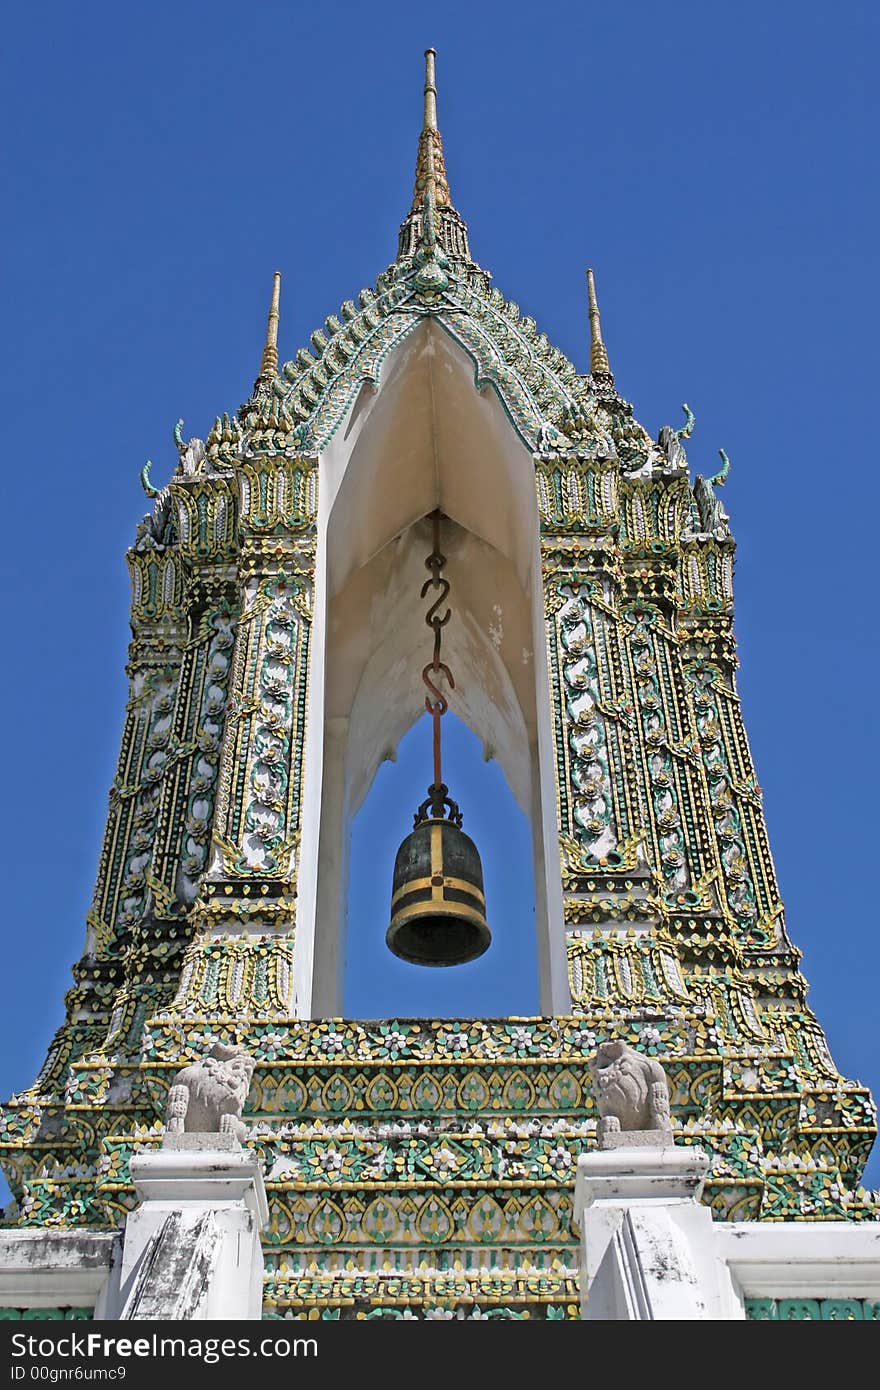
pixel 812 1310
pixel 46 1314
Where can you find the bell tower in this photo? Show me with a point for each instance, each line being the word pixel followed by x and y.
pixel 279 653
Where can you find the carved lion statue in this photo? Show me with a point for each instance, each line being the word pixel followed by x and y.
pixel 208 1096
pixel 630 1089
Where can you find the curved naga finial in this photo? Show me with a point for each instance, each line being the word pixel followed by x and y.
pixel 145 480
pixel 182 447
pixel 720 477
pixel 687 428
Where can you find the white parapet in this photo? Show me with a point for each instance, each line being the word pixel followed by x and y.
pixel 647 1246
pixel 814 1260
pixel 57 1267
pixel 650 1250
pixel 192 1248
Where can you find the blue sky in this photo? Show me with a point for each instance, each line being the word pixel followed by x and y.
pixel 711 163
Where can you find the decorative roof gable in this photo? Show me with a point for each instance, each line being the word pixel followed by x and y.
pixel 553 408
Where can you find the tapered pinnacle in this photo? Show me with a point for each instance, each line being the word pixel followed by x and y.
pixel 430 122
pixel 599 365
pixel 269 364
pixel 430 165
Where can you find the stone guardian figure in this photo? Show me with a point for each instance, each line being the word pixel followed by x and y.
pixel 632 1096
pixel 208 1096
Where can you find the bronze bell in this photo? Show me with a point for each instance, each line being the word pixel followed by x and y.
pixel 438 910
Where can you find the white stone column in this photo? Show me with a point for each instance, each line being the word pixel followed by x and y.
pixel 192 1248
pixel 648 1247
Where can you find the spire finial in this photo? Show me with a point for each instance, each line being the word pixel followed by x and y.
pixel 432 218
pixel 430 166
pixel 599 365
pixel 430 90
pixel 269 364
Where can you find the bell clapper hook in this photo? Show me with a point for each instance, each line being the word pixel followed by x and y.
pixel 438 908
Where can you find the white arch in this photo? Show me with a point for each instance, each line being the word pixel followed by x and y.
pixel 425 438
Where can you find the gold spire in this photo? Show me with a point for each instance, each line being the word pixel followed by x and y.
pixel 598 356
pixel 269 364
pixel 430 166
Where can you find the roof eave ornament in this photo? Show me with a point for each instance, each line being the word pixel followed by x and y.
pixel 430 258
pixel 429 207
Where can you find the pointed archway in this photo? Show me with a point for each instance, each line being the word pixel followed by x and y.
pixel 425 438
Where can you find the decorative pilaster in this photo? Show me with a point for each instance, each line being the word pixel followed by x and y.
pixel 241 957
